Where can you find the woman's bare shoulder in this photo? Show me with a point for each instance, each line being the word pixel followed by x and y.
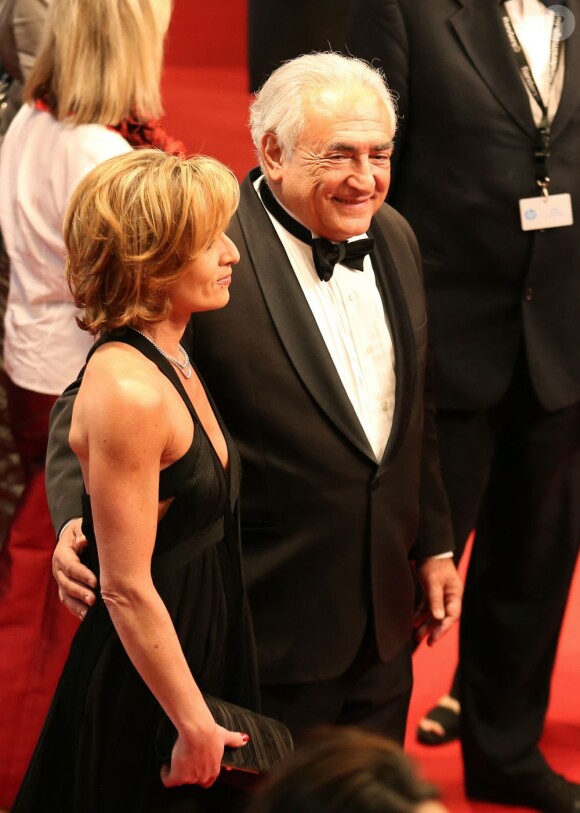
pixel 122 389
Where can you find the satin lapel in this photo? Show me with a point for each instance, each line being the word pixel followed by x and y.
pixel 293 319
pixel 402 336
pixel 571 90
pixel 479 29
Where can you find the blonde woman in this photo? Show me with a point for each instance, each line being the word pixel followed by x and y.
pixel 146 249
pixel 95 83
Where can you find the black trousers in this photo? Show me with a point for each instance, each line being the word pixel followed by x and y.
pixel 370 694
pixel 513 473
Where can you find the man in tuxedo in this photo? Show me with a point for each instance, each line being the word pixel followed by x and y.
pixel 487 174
pixel 318 368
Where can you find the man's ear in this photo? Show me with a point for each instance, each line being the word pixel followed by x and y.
pixel 272 156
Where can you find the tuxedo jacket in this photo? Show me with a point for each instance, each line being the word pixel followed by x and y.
pixel 327 531
pixel 464 158
pixel 283 29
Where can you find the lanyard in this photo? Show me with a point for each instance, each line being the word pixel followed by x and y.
pixel 542 139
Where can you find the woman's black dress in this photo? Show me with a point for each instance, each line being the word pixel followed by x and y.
pixel 98 751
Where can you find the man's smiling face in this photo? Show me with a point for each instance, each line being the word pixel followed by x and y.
pixel 338 174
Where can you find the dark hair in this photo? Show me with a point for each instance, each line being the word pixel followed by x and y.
pixel 344 770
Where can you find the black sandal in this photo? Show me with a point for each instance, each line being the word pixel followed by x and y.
pixel 448 720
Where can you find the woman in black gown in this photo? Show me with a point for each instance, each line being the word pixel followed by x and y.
pixel 146 248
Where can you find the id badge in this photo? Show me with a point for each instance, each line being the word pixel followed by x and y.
pixel 546 212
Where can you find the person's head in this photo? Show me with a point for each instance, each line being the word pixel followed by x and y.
pixel 101 60
pixel 346 770
pixel 144 236
pixel 323 126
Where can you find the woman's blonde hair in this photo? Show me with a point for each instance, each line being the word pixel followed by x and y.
pixel 133 224
pixel 101 60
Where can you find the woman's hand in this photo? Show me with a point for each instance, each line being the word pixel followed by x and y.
pixel 197 761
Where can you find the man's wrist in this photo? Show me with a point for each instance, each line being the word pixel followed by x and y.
pixel 65 526
pixel 447 555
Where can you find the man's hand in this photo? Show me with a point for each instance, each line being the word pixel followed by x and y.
pixel 441 605
pixel 76 583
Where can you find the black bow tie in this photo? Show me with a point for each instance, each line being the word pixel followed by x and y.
pixel 324 252
pixel 327 254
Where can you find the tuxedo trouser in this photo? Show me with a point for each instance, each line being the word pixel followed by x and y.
pixel 513 473
pixel 371 694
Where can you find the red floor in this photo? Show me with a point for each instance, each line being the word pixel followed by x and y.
pixel 207 108
pixel 561 742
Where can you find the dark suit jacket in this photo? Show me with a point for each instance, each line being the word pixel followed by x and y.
pixel 326 531
pixel 283 29
pixel 463 160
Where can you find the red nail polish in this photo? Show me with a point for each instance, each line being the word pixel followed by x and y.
pixel 245 738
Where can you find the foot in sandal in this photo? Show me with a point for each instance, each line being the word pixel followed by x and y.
pixel 441 724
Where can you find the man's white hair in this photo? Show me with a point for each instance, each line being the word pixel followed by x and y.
pixel 278 106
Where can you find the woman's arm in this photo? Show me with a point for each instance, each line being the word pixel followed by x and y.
pixel 126 435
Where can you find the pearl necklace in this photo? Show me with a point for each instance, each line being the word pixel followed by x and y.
pixel 184 366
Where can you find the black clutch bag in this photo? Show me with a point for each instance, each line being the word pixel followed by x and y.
pixel 270 741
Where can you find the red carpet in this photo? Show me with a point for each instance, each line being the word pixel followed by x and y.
pixel 35 635
pixel 207 107
pixel 561 742
pixel 205 82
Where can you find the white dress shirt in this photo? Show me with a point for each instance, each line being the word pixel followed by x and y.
pixel 350 315
pixel 533 23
